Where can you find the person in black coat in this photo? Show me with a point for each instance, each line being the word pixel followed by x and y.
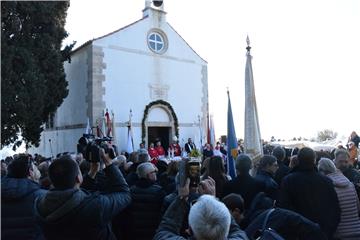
pixel 189 146
pixel 207 151
pixel 267 168
pixel 18 193
pixel 145 210
pixel 288 224
pixel 311 194
pixel 280 154
pixel 68 212
pixel 243 184
pixel 167 178
pixel 136 158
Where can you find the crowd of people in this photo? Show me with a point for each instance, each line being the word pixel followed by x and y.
pixel 304 195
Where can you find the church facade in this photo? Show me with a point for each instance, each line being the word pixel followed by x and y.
pixel 145 67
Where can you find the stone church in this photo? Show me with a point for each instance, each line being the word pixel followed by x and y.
pixel 146 67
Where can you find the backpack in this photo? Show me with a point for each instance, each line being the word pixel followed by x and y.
pixel 268 233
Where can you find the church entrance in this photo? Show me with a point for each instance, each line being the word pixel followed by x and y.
pixel 159 133
pixel 159 123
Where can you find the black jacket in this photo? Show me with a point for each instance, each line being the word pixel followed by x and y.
pixel 17 211
pixel 354 176
pixel 187 147
pixel 207 153
pixel 356 140
pixel 167 182
pixel 271 188
pixel 145 209
pixel 78 214
pixel 282 171
pixel 246 186
pixel 312 195
pixel 132 176
pixel 288 224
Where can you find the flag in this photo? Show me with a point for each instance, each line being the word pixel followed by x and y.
pixel 108 124
pixel 208 138
pixel 130 145
pixel 212 131
pixel 88 128
pixel 98 133
pixel 103 126
pixel 231 142
pixel 130 142
pixel 252 138
pixel 113 127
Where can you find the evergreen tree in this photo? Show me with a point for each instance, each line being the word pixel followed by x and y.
pixel 33 81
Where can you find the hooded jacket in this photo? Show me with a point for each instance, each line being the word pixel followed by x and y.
pixel 17 212
pixel 349 226
pixel 78 214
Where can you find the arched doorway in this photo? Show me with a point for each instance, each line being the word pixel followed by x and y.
pixel 159 123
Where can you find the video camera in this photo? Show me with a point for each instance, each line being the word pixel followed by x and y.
pixel 90 147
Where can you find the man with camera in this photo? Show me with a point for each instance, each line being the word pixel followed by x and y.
pixel 68 212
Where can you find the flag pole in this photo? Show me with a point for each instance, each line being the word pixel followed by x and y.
pixel 130 144
pixel 252 138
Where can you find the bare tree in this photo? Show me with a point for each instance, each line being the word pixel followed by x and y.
pixel 326 134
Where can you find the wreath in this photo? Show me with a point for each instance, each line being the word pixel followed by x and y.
pixel 146 112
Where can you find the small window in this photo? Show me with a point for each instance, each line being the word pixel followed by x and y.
pixel 156 42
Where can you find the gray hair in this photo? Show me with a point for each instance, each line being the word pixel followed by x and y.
pixel 209 219
pixel 143 169
pixel 119 160
pixel 143 157
pixel 326 166
pixel 341 152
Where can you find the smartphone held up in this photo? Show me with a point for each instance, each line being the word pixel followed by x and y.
pixel 190 168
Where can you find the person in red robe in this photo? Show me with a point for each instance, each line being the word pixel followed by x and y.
pixel 154 156
pixel 175 147
pixel 160 150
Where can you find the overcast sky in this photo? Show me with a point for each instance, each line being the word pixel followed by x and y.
pixel 306 56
